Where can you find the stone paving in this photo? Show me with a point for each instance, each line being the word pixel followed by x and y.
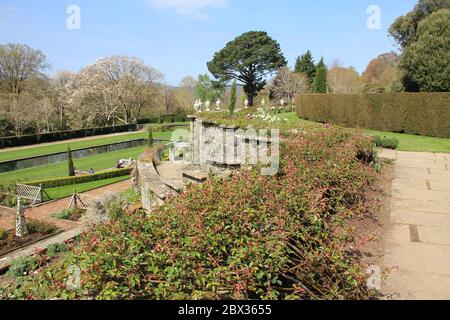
pixel 417 241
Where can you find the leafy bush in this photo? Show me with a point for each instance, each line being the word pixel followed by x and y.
pixel 390 143
pixel 69 214
pixel 56 249
pixel 23 266
pixel 377 140
pixel 413 113
pixel 247 237
pixel 10 201
pixel 3 234
pixel 35 226
pixel 67 181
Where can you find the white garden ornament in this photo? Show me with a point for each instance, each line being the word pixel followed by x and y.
pixel 21 223
pixel 207 105
pixel 198 106
pixel 218 104
pixel 246 103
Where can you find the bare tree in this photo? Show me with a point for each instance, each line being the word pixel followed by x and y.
pixel 343 80
pixel 185 94
pixel 19 63
pixel 287 84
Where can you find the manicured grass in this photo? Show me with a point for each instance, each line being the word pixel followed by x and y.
pixel 67 191
pixel 414 143
pixel 6 155
pixel 408 142
pixel 97 162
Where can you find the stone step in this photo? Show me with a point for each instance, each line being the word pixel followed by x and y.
pixel 176 185
pixel 195 175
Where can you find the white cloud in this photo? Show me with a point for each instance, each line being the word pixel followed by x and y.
pixel 191 8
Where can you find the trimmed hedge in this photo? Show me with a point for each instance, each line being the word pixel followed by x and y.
pixel 164 119
pixel 16 141
pixel 68 181
pixel 426 114
pixel 30 139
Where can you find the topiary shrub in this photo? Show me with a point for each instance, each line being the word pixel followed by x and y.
pixel 390 143
pixel 22 267
pixel 377 140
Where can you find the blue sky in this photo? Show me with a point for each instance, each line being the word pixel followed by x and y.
pixel 178 37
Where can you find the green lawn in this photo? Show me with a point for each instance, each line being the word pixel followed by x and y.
pixel 97 162
pixel 6 155
pixel 408 142
pixel 67 191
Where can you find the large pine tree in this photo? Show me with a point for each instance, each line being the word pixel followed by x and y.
pixel 305 64
pixel 320 80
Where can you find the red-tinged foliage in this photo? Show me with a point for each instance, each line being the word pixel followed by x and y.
pixel 248 237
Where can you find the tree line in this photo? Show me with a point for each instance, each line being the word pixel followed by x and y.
pixel 114 90
pixel 121 89
pixel 423 36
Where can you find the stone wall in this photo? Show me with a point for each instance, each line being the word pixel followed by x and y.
pixel 214 148
pixel 153 189
pixel 227 146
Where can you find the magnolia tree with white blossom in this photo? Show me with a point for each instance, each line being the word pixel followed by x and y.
pixel 113 90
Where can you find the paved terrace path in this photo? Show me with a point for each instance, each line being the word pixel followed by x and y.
pixel 45 211
pixel 417 243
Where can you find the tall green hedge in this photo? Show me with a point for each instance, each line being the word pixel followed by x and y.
pixel 68 181
pixel 426 114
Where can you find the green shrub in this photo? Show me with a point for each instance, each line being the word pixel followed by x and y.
pixel 56 249
pixel 424 113
pixel 70 165
pixel 377 140
pixel 247 237
pixel 390 143
pixel 22 267
pixel 10 201
pixel 150 137
pixel 67 181
pixel 3 234
pixel 35 226
pixel 69 214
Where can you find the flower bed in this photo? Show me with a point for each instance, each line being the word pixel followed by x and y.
pixel 37 231
pixel 249 237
